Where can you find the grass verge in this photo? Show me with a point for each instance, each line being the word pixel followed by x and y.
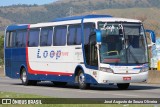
pixel 18 95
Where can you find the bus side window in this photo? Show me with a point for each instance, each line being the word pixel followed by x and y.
pixel 13 39
pixel 46 36
pixel 21 38
pixel 88 29
pixel 24 38
pixel 79 36
pixel 93 51
pixel 33 38
pixel 74 36
pixel 8 37
pixel 18 39
pixel 71 35
pixel 60 33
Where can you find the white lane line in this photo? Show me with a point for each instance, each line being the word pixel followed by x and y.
pixel 30 87
pixel 57 89
pixel 67 90
pixel 51 89
pixel 109 94
pixel 129 95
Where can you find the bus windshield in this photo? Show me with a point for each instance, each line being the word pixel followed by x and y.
pixel 123 43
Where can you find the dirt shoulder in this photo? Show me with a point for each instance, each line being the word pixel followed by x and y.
pixel 1 71
pixel 154 77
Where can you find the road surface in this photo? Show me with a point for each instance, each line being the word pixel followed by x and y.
pixel 72 91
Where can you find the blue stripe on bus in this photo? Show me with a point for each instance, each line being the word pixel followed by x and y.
pixel 16 27
pixel 80 17
pixel 129 64
pixel 138 68
pixel 70 79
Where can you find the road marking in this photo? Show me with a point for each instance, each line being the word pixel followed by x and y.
pixel 75 90
pixel 68 90
pixel 127 95
pixel 56 89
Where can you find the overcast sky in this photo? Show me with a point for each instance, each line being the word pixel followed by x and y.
pixel 11 2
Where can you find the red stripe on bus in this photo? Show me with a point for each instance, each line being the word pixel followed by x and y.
pixel 43 72
pixel 111 60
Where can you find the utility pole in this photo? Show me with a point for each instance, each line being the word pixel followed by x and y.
pixel 70 13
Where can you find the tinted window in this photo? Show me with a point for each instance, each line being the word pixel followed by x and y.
pixel 74 36
pixel 93 57
pixel 78 39
pixel 16 39
pixel 88 29
pixel 60 35
pixel 46 36
pixel 33 40
pixel 13 39
pixel 8 37
pixel 20 39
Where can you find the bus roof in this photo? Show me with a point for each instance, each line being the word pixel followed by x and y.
pixel 17 27
pixel 81 17
pixel 67 20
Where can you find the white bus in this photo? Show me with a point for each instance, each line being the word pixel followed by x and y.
pixel 91 49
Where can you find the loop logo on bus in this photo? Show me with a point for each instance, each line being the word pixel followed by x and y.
pixel 51 54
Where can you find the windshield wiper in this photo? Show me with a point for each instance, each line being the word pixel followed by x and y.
pixel 135 59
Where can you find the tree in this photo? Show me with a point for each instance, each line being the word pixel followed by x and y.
pixel 1 49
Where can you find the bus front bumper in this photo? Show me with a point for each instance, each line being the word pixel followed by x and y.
pixel 105 78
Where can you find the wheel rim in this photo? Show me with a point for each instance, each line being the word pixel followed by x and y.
pixel 81 78
pixel 24 76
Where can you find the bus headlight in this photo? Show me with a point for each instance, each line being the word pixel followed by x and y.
pixel 145 69
pixel 106 70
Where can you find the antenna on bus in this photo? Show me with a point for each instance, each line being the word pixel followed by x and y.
pixel 70 13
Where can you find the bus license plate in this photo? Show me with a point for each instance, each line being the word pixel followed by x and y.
pixel 126 78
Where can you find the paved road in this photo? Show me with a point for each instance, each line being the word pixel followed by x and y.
pixel 72 91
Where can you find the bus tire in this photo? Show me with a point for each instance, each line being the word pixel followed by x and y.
pixel 59 83
pixel 123 86
pixel 25 80
pixel 81 81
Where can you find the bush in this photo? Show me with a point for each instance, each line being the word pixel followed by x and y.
pixel 1 50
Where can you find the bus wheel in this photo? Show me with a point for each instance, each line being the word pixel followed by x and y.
pixel 123 86
pixel 59 83
pixel 25 80
pixel 81 81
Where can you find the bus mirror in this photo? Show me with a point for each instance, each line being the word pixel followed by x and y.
pixel 98 36
pixel 152 37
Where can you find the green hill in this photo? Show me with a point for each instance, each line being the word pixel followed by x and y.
pixel 149 16
pixel 146 10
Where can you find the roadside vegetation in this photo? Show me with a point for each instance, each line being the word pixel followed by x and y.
pixel 1 50
pixel 18 95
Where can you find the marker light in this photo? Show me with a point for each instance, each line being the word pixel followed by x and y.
pixel 106 70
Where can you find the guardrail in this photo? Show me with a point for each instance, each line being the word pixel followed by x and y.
pixel 154 77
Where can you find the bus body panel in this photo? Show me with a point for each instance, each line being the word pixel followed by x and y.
pixel 8 57
pixel 18 59
pixel 15 58
pixel 119 78
pixel 58 63
pixel 54 59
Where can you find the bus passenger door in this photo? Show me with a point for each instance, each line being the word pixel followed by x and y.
pixel 93 57
pixel 93 60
